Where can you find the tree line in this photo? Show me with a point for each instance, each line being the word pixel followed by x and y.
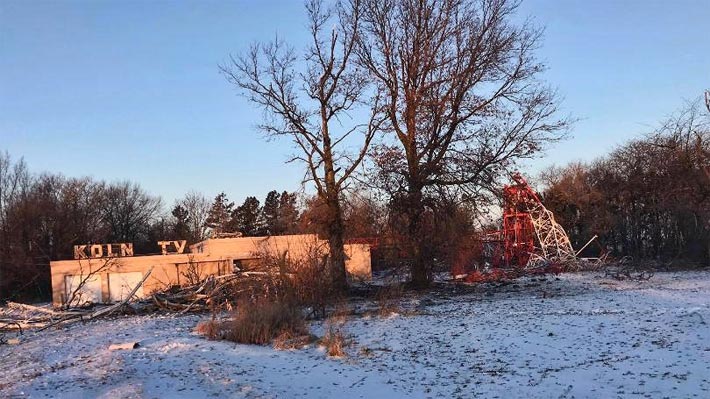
pixel 648 199
pixel 278 216
pixel 42 216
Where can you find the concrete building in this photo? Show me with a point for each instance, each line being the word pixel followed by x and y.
pixel 111 278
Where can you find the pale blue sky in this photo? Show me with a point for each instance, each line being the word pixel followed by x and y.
pixel 131 90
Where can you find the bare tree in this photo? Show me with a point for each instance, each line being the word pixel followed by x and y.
pixel 198 209
pixel 88 272
pixel 128 211
pixel 41 216
pixel 15 180
pixel 458 79
pixel 311 104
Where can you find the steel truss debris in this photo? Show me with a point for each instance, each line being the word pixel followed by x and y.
pixel 531 236
pixel 531 240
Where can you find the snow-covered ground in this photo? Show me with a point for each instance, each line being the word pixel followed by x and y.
pixel 573 336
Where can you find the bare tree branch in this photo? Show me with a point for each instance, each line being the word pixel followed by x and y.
pixel 309 102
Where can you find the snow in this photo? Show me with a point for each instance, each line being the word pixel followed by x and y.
pixel 577 335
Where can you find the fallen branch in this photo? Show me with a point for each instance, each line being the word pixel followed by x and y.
pixel 101 312
pixel 23 306
pixel 111 309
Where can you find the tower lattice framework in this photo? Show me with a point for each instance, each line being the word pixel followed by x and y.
pixel 553 244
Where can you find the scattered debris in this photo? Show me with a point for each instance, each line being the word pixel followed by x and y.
pixel 530 242
pixel 215 292
pixel 124 346
pixel 624 269
pixel 499 275
pixel 212 293
pixel 28 316
pixel 628 274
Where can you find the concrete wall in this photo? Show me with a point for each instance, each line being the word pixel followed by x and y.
pixel 254 247
pixel 294 247
pixel 210 257
pixel 358 261
pixel 168 270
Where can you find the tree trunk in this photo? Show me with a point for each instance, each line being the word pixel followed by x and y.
pixel 335 216
pixel 420 267
pixel 336 244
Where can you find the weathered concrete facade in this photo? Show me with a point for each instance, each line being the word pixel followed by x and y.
pixel 111 279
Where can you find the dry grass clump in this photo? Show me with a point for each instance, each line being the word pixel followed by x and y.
pixel 334 342
pixel 261 323
pixel 257 323
pixel 288 341
pixel 208 328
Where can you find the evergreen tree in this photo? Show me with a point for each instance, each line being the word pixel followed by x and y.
pixel 247 218
pixel 220 214
pixel 270 213
pixel 287 221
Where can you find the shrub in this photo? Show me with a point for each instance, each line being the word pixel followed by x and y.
pixel 270 303
pixel 305 280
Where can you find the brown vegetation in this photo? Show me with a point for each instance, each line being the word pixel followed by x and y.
pixel 257 323
pixel 648 200
pixel 388 299
pixel 335 340
pixel 304 279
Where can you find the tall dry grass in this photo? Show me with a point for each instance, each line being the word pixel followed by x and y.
pixel 257 323
pixel 282 292
pixel 388 299
pixel 335 339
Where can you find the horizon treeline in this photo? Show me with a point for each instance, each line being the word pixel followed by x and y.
pixel 649 199
pixel 42 216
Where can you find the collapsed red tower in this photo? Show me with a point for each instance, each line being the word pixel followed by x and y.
pixel 518 231
pixel 530 240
